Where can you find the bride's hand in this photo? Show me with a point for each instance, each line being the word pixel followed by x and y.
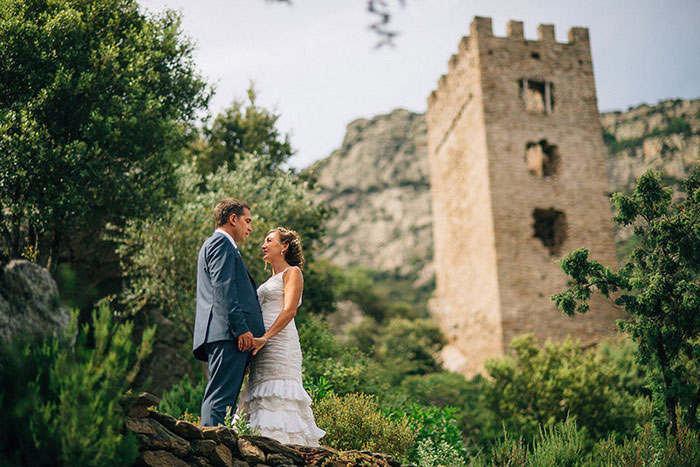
pixel 258 343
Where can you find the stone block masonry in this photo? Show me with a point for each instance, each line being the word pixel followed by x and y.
pixel 168 442
pixel 518 179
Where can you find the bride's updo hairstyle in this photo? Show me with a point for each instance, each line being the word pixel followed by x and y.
pixel 293 255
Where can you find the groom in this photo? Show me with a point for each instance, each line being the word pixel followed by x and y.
pixel 228 313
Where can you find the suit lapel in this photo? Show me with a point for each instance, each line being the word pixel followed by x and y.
pixel 252 281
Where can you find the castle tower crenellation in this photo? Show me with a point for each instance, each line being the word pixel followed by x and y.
pixel 518 179
pixel 514 29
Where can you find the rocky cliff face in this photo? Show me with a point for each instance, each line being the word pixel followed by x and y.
pixel 378 180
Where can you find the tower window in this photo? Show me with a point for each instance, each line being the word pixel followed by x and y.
pixel 550 227
pixel 537 96
pixel 542 158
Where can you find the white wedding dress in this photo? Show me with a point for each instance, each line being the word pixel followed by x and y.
pixel 274 400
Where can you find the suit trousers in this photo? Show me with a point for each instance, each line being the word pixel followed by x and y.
pixel 226 370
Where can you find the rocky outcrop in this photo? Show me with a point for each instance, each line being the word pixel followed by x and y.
pixel 166 441
pixel 378 180
pixel 29 302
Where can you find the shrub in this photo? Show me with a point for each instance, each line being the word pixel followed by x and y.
pixel 559 445
pixel 431 453
pixel 408 347
pixel 184 397
pixel 541 386
pixel 60 399
pixel 649 448
pixel 437 424
pixel 346 370
pixel 356 422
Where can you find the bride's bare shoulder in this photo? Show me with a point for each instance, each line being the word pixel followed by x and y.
pixel 293 273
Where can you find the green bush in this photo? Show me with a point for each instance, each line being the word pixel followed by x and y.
pixel 649 448
pixel 561 444
pixel 437 424
pixel 541 386
pixel 430 453
pixel 355 421
pixel 347 370
pixel 409 347
pixel 185 396
pixel 60 398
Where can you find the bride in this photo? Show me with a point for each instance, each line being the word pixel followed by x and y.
pixel 275 400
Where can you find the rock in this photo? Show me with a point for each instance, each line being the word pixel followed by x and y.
pixel 197 461
pixel 229 438
pixel 222 456
pixel 203 447
pixel 29 302
pixel 138 411
pixel 213 432
pixel 161 459
pixel 218 454
pixel 250 452
pixel 157 437
pixel 282 460
pixel 137 425
pixel 187 430
pixel 164 419
pixel 271 446
pixel 147 399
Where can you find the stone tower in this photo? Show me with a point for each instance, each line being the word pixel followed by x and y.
pixel 518 179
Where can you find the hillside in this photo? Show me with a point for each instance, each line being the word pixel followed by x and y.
pixel 378 180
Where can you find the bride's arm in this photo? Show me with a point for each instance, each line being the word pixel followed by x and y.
pixel 293 286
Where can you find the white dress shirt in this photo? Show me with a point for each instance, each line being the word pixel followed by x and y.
pixel 228 236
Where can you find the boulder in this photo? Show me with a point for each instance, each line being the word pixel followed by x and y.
pixel 29 302
pixel 161 459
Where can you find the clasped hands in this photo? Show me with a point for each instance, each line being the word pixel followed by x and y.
pixel 247 342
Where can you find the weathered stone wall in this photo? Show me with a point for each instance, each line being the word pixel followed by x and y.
pixel 494 278
pixel 168 442
pixel 465 254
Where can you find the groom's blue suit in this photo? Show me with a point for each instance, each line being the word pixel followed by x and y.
pixel 227 306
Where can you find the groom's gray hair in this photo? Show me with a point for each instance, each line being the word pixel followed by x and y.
pixel 226 208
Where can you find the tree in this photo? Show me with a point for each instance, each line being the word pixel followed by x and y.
pixel 160 254
pixel 542 386
pixel 93 98
pixel 243 129
pixel 658 288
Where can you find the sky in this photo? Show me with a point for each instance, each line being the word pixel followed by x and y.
pixel 315 61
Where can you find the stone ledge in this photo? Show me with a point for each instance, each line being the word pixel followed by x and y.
pixel 166 441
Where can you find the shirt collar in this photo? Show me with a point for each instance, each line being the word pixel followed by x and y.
pixel 228 236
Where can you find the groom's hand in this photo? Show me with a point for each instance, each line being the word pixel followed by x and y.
pixel 245 341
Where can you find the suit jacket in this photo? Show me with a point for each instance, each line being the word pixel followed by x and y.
pixel 227 299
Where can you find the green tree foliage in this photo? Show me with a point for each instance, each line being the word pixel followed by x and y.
pixel 160 254
pixel 244 128
pixel 346 370
pixel 409 347
pixel 93 95
pixel 659 289
pixel 542 386
pixel 60 398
